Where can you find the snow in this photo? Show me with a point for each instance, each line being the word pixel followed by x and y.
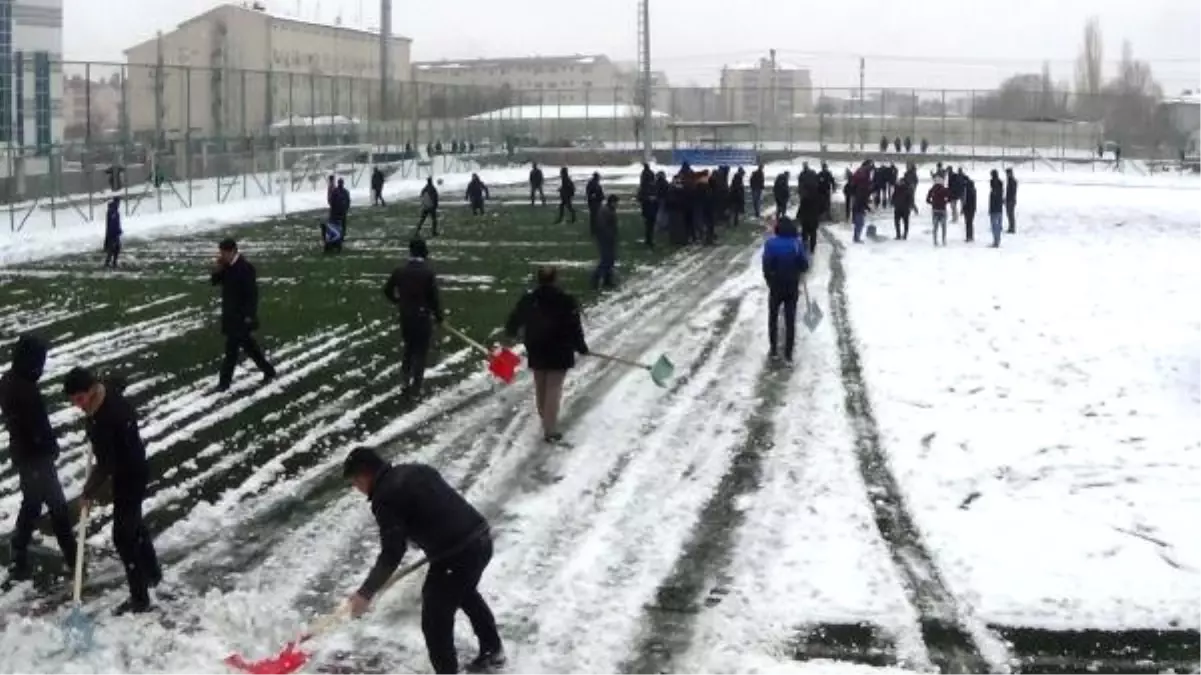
pixel 552 111
pixel 1041 401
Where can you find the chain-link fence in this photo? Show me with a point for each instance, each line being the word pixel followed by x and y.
pixel 130 125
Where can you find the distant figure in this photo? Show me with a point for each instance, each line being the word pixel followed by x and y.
pixel 536 180
pixel 925 146
pixel 112 233
pixel 757 184
pixel 1011 198
pixel 897 143
pixel 606 244
pixel 996 206
pixel 339 207
pixel 937 198
pixel 429 205
pixel 477 192
pixel 566 195
pixel 594 194
pixel 377 187
pixel 908 144
pixel 115 175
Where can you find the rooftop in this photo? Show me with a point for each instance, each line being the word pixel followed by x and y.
pixel 515 62
pixel 605 111
pixel 756 65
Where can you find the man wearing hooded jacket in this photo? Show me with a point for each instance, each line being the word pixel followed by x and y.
pixel 33 448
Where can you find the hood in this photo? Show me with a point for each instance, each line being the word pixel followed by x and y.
pixel 786 228
pixel 29 357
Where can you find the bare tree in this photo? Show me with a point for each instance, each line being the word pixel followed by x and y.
pixel 1132 105
pixel 1089 74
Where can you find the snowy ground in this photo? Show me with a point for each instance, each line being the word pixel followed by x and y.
pixel 972 438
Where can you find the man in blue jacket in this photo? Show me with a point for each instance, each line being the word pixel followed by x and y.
pixel 785 261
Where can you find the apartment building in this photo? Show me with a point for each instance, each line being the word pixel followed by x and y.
pixel 237 69
pixel 31 49
pixel 747 91
pixel 91 107
pixel 575 79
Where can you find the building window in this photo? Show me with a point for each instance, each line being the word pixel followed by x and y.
pixel 41 101
pixel 6 71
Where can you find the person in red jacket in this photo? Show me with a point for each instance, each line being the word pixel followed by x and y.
pixel 937 198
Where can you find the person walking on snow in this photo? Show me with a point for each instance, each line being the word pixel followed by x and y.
pixel 956 186
pixel 902 206
pixel 737 197
pixel 377 188
pixel 826 185
pixel 1011 199
pixel 112 233
pixel 429 206
pixel 414 503
pixel 111 423
pixel 32 449
pixel 339 207
pixel 239 312
pixel 595 196
pixel 785 261
pixel 861 184
pixel 606 244
pixel 969 207
pixel 476 193
pixel 779 190
pixel 536 180
pixel 756 185
pixel 996 202
pixel 937 198
pixel 548 320
pixel 413 288
pixel 566 195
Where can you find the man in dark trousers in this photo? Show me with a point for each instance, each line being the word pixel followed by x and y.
pixel 810 210
pixel 548 320
pixel 756 185
pixel 112 428
pixel 339 206
pixel 996 202
pixel 566 195
pixel 377 187
pixel 779 190
pixel 648 203
pixel 413 288
pixel 606 244
pixel 477 192
pixel 937 197
pixel 594 194
pixel 902 206
pixel 536 180
pixel 239 312
pixel 969 206
pixel 826 185
pixel 785 262
pixel 1011 199
pixel 429 205
pixel 32 447
pixel 737 197
pixel 112 232
pixel 413 503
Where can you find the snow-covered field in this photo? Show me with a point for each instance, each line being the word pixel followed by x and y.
pixel 1036 409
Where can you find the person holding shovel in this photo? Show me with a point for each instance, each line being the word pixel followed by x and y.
pixel 549 321
pixel 413 288
pixel 413 502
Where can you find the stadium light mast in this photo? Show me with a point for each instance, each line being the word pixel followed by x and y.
pixel 385 36
pixel 644 76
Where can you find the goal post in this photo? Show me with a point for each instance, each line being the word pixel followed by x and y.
pixel 295 166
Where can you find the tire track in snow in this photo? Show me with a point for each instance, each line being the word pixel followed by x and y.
pixel 956 642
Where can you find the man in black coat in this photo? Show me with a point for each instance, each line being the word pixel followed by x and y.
pixel 594 194
pixel 566 195
pixel 339 206
pixel 413 288
pixel 414 503
pixel 902 206
pixel 112 428
pixel 548 320
pixel 757 184
pixel 536 180
pixel 476 193
pixel 737 196
pixel 810 210
pixel 32 447
pixel 779 190
pixel 969 207
pixel 377 187
pixel 606 244
pixel 429 205
pixel 1011 199
pixel 827 185
pixel 239 312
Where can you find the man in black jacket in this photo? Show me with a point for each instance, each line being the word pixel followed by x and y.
pixel 413 502
pixel 826 185
pixel 477 192
pixel 756 184
pixel 429 205
pixel 112 428
pixel 549 321
pixel 969 207
pixel 594 194
pixel 339 206
pixel 377 187
pixel 33 448
pixel 1011 199
pixel 536 179
pixel 606 244
pixel 239 312
pixel 780 191
pixel 413 288
pixel 566 194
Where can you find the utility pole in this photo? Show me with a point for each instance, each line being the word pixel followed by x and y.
pixel 644 74
pixel 385 37
pixel 771 118
pixel 862 102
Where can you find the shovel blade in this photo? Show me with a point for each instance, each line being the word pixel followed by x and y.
pixel 77 630
pixel 662 371
pixel 287 661
pixel 503 364
pixel 813 316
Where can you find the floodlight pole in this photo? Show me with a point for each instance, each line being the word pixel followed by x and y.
pixel 644 58
pixel 385 36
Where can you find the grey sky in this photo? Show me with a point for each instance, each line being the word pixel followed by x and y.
pixel 934 43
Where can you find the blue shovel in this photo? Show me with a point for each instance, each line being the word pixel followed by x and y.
pixel 78 627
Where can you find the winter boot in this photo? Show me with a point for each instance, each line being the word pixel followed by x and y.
pixel 487 662
pixel 132 606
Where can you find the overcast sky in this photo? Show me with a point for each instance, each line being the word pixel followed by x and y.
pixel 907 43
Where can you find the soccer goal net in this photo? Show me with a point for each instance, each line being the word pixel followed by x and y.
pixel 307 170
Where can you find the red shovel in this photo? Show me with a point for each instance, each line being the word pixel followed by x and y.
pixel 502 362
pixel 292 658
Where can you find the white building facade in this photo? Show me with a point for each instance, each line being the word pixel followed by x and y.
pixel 31 85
